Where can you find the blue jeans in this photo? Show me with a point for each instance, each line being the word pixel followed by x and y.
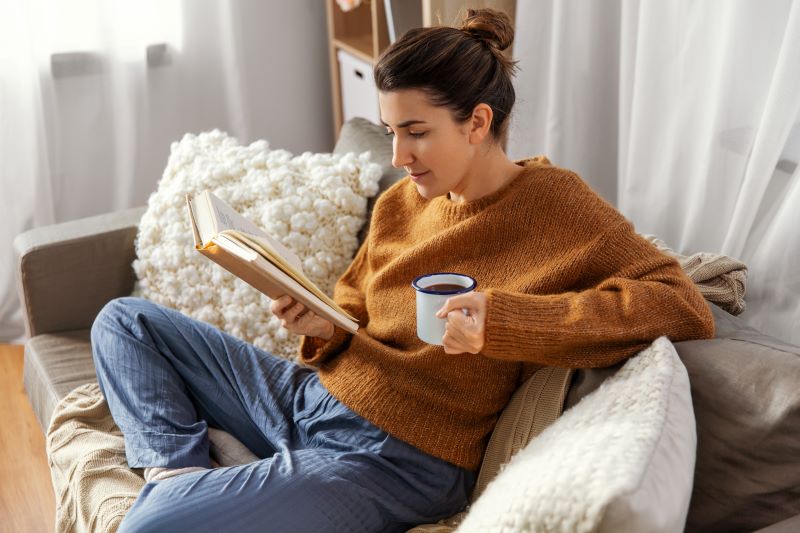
pixel 322 467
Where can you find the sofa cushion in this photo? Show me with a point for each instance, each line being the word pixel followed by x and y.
pixel 746 394
pixel 54 365
pixel 359 134
pixel 620 460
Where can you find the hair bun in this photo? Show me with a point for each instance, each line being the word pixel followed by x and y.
pixel 491 26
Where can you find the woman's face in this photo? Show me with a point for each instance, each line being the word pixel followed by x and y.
pixel 432 147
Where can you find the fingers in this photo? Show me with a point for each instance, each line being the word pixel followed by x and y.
pixel 459 340
pixel 289 311
pixel 464 332
pixel 474 303
pixel 298 318
pixel 293 312
pixel 305 319
pixel 279 305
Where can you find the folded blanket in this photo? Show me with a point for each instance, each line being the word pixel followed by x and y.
pixel 94 487
pixel 93 484
pixel 721 279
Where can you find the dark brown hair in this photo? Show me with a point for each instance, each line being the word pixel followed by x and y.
pixel 458 68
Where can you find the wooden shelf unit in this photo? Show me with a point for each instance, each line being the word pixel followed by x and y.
pixel 363 32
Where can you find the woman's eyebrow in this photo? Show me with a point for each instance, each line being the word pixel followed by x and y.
pixel 405 124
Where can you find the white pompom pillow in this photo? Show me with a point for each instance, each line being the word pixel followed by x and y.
pixel 314 204
pixel 620 461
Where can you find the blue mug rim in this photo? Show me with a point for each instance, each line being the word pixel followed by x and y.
pixel 416 286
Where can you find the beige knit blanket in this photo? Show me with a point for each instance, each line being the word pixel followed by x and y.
pixel 93 485
pixel 721 279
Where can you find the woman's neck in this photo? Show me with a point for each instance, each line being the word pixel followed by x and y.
pixel 492 172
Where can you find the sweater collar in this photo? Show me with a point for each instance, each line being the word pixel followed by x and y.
pixel 461 210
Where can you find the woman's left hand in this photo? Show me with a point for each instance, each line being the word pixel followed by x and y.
pixel 464 333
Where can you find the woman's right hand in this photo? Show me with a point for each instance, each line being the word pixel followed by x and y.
pixel 293 318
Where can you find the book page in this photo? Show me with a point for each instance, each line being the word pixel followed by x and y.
pixel 227 218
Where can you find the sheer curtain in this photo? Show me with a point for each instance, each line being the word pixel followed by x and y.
pixel 93 92
pixel 684 114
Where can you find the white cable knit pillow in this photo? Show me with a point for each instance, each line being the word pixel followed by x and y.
pixel 621 460
pixel 312 203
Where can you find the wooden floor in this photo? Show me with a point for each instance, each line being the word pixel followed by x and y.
pixel 26 495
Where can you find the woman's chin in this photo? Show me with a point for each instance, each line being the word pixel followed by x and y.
pixel 428 193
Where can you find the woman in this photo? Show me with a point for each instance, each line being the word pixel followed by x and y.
pixel 389 431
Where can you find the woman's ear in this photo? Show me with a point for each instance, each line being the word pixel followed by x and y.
pixel 481 123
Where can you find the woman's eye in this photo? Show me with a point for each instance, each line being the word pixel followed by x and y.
pixel 410 134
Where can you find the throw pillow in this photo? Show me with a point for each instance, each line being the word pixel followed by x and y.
pixel 314 204
pixel 622 459
pixel 747 403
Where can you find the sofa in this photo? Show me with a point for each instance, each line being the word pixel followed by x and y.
pixel 68 271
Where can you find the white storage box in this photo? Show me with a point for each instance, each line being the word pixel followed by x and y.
pixel 359 94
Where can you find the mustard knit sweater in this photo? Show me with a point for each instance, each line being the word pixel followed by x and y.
pixel 568 280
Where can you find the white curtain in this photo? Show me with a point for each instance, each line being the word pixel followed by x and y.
pixel 684 114
pixel 93 92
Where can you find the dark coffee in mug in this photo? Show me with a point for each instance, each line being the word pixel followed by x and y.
pixel 445 287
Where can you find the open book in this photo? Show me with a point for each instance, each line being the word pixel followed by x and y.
pixel 247 252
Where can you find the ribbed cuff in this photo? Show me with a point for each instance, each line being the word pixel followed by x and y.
pixel 315 350
pixel 521 325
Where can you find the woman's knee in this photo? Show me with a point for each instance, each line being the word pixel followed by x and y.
pixel 120 311
pixel 115 321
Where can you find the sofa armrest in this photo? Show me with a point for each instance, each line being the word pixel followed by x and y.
pixel 67 272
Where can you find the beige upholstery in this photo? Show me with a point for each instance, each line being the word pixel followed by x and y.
pixel 54 365
pixel 68 271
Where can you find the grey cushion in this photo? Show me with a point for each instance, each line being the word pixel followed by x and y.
pixel 227 450
pixel 358 135
pixel 54 365
pixel 746 396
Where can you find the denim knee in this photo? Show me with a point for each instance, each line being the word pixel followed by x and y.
pixel 115 316
pixel 111 313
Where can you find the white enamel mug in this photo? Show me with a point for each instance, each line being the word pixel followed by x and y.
pixel 430 328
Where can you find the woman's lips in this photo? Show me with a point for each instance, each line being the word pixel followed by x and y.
pixel 417 177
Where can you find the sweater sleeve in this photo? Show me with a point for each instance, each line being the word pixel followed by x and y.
pixel 349 294
pixel 637 295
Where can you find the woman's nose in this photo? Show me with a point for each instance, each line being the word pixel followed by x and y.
pixel 401 156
